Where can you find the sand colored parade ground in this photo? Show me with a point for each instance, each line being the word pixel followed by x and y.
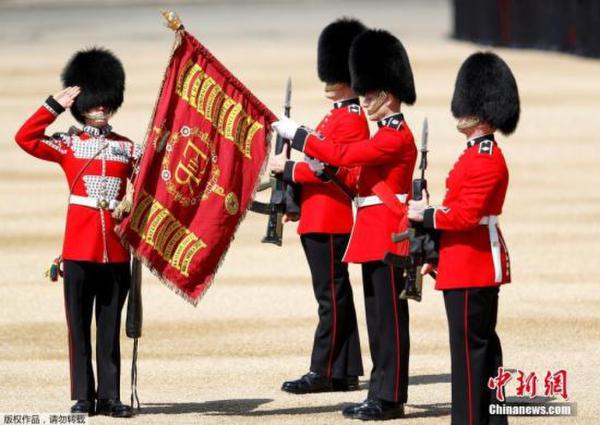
pixel 224 361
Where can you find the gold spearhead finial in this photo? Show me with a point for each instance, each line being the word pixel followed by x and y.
pixel 172 20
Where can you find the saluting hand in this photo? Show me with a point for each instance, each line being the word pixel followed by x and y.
pixel 67 96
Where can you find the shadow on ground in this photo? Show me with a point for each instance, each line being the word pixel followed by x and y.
pixel 247 407
pixel 236 406
pixel 428 410
pixel 441 378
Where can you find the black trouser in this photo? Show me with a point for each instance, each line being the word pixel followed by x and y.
pixel 336 348
pixel 389 339
pixel 107 285
pixel 476 353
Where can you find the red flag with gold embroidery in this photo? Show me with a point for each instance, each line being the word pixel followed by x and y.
pixel 205 150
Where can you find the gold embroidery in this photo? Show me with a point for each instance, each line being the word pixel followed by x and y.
pixel 210 101
pixel 139 213
pixel 154 225
pixel 184 178
pixel 165 234
pixel 232 204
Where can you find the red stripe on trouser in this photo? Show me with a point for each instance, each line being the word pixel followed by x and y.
pixel 469 390
pixel 333 303
pixel 397 385
pixel 70 339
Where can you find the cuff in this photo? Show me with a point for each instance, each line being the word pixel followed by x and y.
pixel 327 173
pixel 429 218
pixel 53 106
pixel 288 171
pixel 299 139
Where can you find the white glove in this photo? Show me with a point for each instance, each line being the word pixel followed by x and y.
pixel 315 165
pixel 286 128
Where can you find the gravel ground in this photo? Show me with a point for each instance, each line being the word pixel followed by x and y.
pixel 223 362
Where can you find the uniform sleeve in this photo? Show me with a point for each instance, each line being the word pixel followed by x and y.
pixel 479 186
pixel 376 151
pixel 301 173
pixel 349 178
pixel 32 138
pixel 352 128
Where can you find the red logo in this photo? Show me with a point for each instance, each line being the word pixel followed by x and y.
pixel 499 382
pixel 555 384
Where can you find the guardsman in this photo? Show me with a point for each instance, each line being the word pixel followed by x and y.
pixel 381 72
pixel 96 162
pixel 473 260
pixel 326 221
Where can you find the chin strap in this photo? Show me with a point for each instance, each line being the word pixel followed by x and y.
pixel 378 103
pixel 465 123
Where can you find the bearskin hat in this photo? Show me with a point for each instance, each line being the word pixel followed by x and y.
pixel 101 77
pixel 378 61
pixel 333 50
pixel 486 88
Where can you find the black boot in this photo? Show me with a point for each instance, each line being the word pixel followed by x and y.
pixel 312 382
pixel 114 408
pixel 379 410
pixel 83 406
pixel 349 383
pixel 350 411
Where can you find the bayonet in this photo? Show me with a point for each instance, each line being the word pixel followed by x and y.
pixel 282 195
pixel 287 104
pixel 424 137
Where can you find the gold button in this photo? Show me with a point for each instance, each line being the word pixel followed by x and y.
pixel 103 203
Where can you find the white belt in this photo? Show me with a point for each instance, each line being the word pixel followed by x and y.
pixel 108 204
pixel 491 221
pixel 367 201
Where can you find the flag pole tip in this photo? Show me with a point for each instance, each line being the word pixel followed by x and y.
pixel 172 20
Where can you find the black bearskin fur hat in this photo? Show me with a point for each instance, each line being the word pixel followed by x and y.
pixel 101 77
pixel 378 61
pixel 486 88
pixel 333 50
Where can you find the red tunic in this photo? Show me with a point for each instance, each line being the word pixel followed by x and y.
pixel 476 188
pixel 89 234
pixel 324 208
pixel 387 158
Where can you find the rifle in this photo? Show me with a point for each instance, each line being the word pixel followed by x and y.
pixel 423 244
pixel 283 196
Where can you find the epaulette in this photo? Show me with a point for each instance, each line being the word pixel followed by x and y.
pixel 486 147
pixel 354 109
pixel 65 138
pixel 395 121
pixel 60 135
pixel 344 103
